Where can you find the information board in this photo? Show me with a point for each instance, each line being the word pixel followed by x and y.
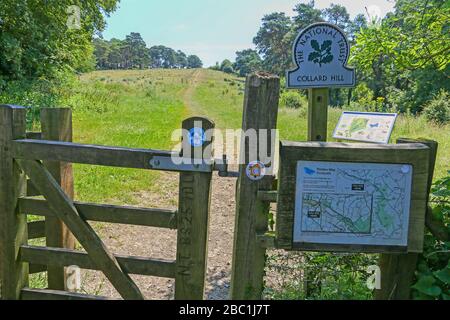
pixel 365 126
pixel 352 203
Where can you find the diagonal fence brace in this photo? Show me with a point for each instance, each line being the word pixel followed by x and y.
pixel 65 210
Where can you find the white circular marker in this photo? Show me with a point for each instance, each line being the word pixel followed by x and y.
pixel 405 169
pixel 255 170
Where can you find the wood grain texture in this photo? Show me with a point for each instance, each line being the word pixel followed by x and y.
pixel 268 196
pixel 13 227
pixel 56 125
pixel 66 257
pixel 291 152
pixel 31 189
pixel 159 218
pixel 260 112
pixel 36 229
pixel 48 295
pixel 85 154
pixel 64 209
pixel 193 216
pixel 318 100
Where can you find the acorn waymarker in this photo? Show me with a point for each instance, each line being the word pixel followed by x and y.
pixel 321 52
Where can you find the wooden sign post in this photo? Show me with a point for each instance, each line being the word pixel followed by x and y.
pixel 318 114
pixel 321 52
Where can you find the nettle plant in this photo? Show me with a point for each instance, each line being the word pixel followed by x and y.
pixel 322 53
pixel 433 272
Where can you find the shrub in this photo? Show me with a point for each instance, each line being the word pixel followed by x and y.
pixel 293 99
pixel 433 270
pixel 34 94
pixel 438 109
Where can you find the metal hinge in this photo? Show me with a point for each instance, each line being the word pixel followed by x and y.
pixel 180 164
pixel 221 165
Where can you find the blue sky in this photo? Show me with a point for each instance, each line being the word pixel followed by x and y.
pixel 212 29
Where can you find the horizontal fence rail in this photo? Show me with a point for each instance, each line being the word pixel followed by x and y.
pixel 46 294
pixel 31 149
pixel 85 154
pixel 159 218
pixel 36 229
pixel 66 257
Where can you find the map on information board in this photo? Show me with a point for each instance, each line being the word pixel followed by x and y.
pixel 365 126
pixel 352 203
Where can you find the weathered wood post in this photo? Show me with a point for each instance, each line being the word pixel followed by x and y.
pixel 56 125
pixel 318 100
pixel 193 213
pixel 397 270
pixel 13 226
pixel 260 112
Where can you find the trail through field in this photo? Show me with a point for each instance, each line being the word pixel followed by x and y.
pixel 222 214
pixel 161 243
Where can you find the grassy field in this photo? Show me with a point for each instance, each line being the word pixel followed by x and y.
pixel 142 108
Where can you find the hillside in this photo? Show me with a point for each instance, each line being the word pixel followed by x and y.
pixel 142 109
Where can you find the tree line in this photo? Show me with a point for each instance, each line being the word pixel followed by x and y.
pixel 133 53
pixel 277 33
pixel 402 61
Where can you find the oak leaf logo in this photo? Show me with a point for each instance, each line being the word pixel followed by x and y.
pixel 322 53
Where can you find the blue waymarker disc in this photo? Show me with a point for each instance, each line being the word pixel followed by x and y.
pixel 197 137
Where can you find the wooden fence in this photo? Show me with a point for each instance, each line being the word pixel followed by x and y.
pixel 48 192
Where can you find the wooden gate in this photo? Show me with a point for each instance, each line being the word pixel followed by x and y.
pixel 46 163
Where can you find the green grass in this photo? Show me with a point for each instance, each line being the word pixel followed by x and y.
pixel 141 112
pixel 142 108
pixel 223 103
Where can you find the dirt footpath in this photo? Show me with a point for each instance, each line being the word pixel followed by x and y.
pixel 161 243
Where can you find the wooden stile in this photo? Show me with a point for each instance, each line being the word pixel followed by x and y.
pixel 13 227
pixel 260 112
pixel 64 209
pixel 56 125
pixel 160 218
pixel 193 216
pixel 66 257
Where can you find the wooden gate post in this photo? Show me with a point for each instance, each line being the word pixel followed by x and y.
pixel 56 125
pixel 397 270
pixel 13 226
pixel 260 112
pixel 193 214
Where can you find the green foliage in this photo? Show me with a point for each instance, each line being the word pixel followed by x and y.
pixel 227 66
pixel 405 58
pixel 194 61
pixel 35 94
pixel 274 41
pixel 35 40
pixel 337 15
pixel 247 61
pixel 293 99
pixel 318 276
pixel 438 109
pixel 433 272
pixel 132 53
